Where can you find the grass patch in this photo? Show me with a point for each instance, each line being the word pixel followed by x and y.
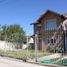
pixel 22 54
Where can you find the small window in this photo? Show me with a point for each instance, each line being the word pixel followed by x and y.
pixel 39 28
pixel 52 40
pixel 48 40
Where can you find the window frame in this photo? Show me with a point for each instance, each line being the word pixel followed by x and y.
pixel 49 21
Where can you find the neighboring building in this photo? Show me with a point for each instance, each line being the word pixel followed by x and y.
pixel 30 42
pixel 50 31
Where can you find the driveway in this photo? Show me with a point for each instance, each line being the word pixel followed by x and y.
pixel 8 62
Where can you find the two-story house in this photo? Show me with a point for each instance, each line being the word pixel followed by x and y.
pixel 49 29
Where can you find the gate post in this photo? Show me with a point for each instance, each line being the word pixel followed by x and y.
pixel 64 33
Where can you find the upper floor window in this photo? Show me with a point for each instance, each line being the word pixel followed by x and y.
pixel 50 24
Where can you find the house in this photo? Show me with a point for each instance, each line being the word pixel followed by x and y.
pixel 49 30
pixel 30 42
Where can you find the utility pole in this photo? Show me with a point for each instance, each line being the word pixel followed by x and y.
pixel 36 41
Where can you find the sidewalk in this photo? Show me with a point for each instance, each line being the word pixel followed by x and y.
pixel 8 62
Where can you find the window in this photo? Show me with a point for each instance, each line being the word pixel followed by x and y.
pixel 50 24
pixel 52 41
pixel 48 40
pixel 39 28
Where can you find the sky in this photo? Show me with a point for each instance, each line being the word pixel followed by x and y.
pixel 25 12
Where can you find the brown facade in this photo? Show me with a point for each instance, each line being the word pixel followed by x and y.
pixel 44 36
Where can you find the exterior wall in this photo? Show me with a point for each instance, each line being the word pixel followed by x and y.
pixel 43 34
pixel 46 34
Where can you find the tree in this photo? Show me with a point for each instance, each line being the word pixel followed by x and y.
pixel 13 33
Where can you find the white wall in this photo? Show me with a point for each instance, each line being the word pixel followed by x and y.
pixel 6 45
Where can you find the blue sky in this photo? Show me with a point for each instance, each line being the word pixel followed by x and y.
pixel 25 12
